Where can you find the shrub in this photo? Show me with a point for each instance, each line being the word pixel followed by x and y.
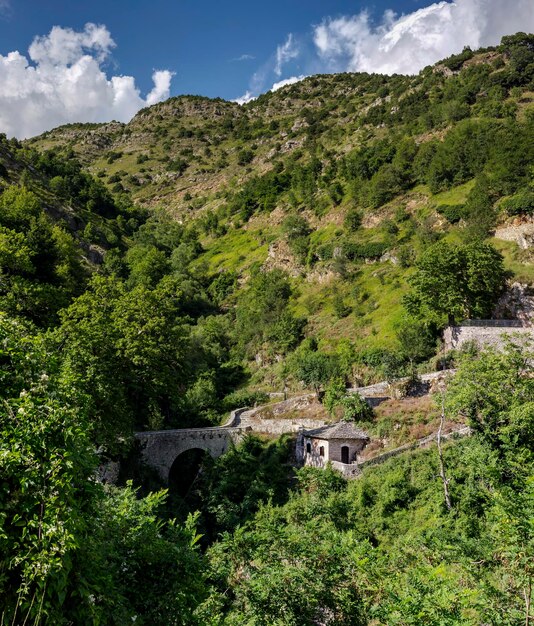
pixel 355 408
pixel 244 397
pixel 244 157
pixel 177 165
pixel 520 204
pixel 353 220
pixel 453 213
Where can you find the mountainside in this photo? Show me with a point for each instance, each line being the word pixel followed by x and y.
pixel 339 180
pixel 56 224
pixel 313 244
pixel 193 146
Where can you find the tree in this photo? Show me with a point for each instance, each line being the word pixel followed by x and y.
pixel 352 220
pixel 495 392
pixel 147 265
pixel 458 281
pixel 416 342
pixel 127 352
pixel 297 230
pixel 314 368
pixel 263 315
pixel 355 408
pixel 71 552
pixel 286 573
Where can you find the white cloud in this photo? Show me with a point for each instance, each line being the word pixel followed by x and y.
pixel 286 52
pixel 63 81
pixel 287 81
pixel 248 96
pixel 244 57
pixel 407 43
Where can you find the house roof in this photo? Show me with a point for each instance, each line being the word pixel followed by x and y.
pixel 340 430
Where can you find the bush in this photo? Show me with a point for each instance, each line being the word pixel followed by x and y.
pixel 244 397
pixel 369 250
pixel 520 204
pixel 177 165
pixel 114 156
pixel 453 213
pixel 355 409
pixel 353 220
pixel 244 157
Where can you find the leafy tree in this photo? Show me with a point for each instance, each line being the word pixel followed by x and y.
pixel 495 393
pixel 353 220
pixel 278 580
pixel 40 264
pixel 147 265
pixel 416 342
pixel 126 351
pixel 263 314
pixel 146 569
pixel 355 408
pixel 457 281
pixel 297 230
pixel 232 488
pixel 315 369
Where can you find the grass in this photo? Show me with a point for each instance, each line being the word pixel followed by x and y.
pixel 518 261
pixel 236 251
pixel 456 195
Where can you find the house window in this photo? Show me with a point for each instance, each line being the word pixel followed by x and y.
pixel 321 451
pixel 308 448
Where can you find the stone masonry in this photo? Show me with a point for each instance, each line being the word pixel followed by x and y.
pixel 161 448
pixel 492 336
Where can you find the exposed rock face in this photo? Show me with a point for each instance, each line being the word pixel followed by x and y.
pixel 389 256
pixel 517 303
pixel 281 257
pixel 520 232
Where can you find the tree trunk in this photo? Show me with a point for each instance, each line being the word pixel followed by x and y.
pixel 444 478
pixel 528 596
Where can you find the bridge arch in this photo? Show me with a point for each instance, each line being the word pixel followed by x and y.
pixel 160 449
pixel 185 469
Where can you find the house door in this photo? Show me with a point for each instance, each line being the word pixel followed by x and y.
pixel 344 454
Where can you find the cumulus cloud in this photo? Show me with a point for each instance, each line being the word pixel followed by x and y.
pixel 248 96
pixel 407 43
pixel 286 52
pixel 63 81
pixel 287 81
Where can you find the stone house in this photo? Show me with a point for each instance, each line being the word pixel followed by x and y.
pixel 338 443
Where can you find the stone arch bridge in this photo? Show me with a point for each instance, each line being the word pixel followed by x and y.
pixel 161 448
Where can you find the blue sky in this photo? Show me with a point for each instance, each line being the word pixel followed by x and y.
pixel 199 40
pixel 233 49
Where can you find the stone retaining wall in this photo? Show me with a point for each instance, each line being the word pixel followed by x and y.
pixel 420 443
pixel 455 336
pixel 280 426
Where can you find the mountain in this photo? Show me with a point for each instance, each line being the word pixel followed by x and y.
pixel 56 224
pixel 158 274
pixel 339 180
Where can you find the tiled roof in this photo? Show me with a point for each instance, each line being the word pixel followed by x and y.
pixel 340 430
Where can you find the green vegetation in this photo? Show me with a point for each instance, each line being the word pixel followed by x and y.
pixel 319 237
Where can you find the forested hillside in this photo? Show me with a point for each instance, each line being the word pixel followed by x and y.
pixel 340 181
pixel 161 273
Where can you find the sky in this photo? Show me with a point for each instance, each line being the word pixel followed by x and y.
pixel 66 60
